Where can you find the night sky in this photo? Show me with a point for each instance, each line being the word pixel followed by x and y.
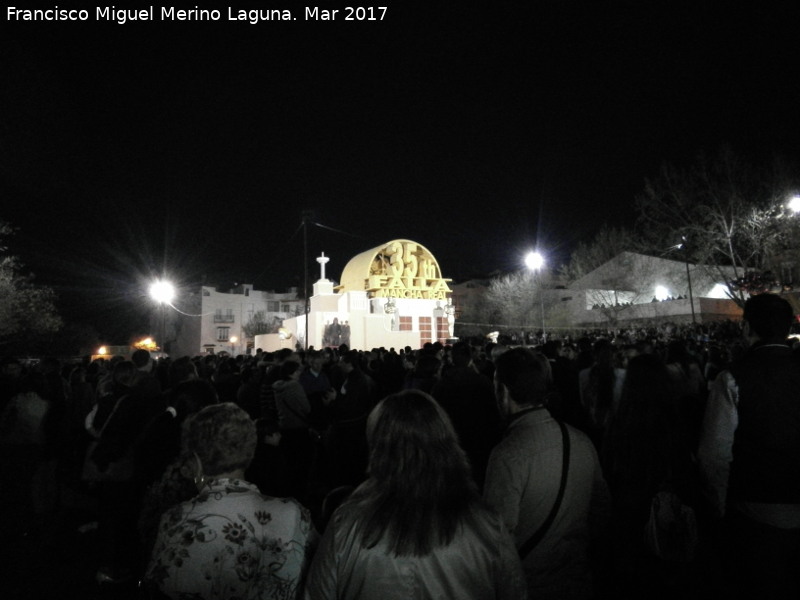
pixel 478 129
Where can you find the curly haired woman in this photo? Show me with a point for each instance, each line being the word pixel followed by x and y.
pixel 230 541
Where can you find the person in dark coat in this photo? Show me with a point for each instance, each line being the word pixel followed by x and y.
pixel 345 442
pixel 468 398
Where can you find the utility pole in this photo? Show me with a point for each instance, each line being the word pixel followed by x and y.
pixel 306 218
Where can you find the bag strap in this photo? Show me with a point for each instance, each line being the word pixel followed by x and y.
pixel 110 415
pixel 532 541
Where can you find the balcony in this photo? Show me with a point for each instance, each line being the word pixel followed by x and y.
pixel 223 318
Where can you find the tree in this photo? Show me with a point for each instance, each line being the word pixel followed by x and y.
pixel 521 301
pixel 259 324
pixel 607 244
pixel 725 214
pixel 27 311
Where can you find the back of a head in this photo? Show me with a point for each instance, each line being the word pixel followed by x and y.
pixel 584 344
pixel 647 380
pixel 124 373
pixel 223 436
pixel 289 368
pixel 769 316
pixel 189 397
pixel 646 432
pixel 461 354
pixel 405 432
pixel 497 351
pixel 140 358
pixel 526 375
pixel 282 354
pixel 420 487
pixel 551 348
pixel 603 351
pixel 77 375
pixel 181 369
pixel 427 366
pixel 353 358
pixel 676 352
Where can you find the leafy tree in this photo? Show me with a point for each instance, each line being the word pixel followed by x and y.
pixel 725 212
pixel 27 311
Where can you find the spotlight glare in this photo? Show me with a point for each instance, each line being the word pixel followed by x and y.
pixel 162 291
pixel 534 261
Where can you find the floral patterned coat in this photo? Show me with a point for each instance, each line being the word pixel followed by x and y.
pixel 232 542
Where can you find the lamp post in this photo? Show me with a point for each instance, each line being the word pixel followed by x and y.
pixel 163 292
pixel 535 262
pixel 682 246
pixel 233 341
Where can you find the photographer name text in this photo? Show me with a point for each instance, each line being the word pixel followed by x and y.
pixel 122 16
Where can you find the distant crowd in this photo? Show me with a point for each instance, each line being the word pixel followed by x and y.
pixel 630 462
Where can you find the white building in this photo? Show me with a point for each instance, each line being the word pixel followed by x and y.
pixel 634 286
pixel 392 296
pixel 215 320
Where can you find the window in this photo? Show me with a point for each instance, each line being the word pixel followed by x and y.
pixel 425 329
pixel 442 329
pixel 227 317
pixel 273 305
pixel 405 323
pixel 223 334
pixel 285 308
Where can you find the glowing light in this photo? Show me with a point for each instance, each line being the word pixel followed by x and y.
pixel 534 261
pixel 794 204
pixel 234 339
pixel 162 291
pixel 720 290
pixel 102 350
pixel 662 293
pixel 148 344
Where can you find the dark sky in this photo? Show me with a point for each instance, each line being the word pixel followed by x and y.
pixel 477 129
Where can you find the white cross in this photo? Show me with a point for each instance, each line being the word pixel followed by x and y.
pixel 322 260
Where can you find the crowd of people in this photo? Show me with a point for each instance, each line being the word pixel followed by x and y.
pixel 472 470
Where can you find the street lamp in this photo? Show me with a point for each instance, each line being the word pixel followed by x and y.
pixel 233 341
pixel 535 262
pixel 163 292
pixel 794 204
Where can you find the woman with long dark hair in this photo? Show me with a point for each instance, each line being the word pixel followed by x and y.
pixel 417 528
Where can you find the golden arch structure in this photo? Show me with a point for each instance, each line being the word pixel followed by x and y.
pixel 398 269
pixel 392 295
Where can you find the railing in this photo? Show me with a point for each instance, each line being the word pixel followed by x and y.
pixel 223 318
